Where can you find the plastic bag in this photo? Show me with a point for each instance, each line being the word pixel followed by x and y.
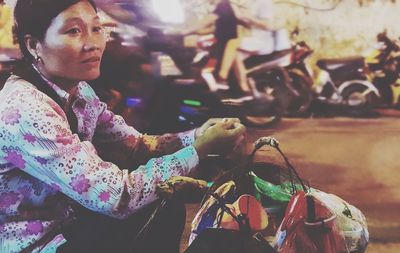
pixel 320 222
pixel 206 216
pixel 309 226
pixel 243 181
pixel 351 221
pixel 282 192
pixel 225 210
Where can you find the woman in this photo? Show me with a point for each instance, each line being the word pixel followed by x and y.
pixel 60 144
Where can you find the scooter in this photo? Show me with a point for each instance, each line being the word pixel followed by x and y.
pixel 281 81
pixel 182 96
pixel 186 96
pixel 384 69
pixel 344 84
pixel 301 76
pixel 292 71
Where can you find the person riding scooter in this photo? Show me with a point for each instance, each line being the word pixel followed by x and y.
pixel 224 17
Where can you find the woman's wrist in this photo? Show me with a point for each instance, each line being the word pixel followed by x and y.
pixel 196 133
pixel 199 149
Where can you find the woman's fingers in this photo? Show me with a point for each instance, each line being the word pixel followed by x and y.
pixel 237 129
pixel 214 121
pixel 231 119
pixel 221 138
pixel 228 123
pixel 230 128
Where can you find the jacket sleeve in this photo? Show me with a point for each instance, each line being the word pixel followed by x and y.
pixel 122 144
pixel 43 146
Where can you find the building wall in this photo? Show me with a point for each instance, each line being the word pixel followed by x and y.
pixel 349 29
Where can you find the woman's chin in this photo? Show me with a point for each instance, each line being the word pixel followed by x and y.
pixel 91 76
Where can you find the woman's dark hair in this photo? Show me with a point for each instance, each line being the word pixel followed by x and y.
pixel 33 17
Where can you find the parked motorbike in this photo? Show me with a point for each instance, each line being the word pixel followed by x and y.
pixel 301 75
pixel 343 82
pixel 384 69
pixel 290 69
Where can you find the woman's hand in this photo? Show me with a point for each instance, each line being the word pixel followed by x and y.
pixel 211 122
pixel 220 138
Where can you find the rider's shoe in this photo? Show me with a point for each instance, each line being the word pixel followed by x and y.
pixel 214 84
pixel 221 84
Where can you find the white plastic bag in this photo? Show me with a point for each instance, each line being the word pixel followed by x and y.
pixel 350 219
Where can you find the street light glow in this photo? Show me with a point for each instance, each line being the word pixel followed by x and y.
pixel 169 11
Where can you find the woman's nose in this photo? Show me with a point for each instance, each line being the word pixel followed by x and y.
pixel 90 46
pixel 91 43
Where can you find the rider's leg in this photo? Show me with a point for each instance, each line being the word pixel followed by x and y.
pixel 228 58
pixel 241 72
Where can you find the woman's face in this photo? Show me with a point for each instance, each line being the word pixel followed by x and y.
pixel 73 45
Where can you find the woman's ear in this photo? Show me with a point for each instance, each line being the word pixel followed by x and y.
pixel 31 44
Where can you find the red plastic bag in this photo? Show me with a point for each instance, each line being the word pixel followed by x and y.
pixel 309 226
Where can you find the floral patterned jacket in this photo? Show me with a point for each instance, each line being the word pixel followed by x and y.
pixel 42 163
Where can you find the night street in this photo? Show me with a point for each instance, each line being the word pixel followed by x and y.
pixel 356 159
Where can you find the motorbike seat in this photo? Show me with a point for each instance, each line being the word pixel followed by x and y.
pixel 334 64
pixel 256 60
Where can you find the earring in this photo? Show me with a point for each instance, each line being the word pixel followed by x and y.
pixel 38 59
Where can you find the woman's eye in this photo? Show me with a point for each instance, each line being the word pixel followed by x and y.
pixel 73 31
pixel 97 29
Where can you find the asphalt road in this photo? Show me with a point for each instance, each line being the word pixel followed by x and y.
pixel 356 159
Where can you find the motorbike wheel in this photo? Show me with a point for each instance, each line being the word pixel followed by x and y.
pixel 357 103
pixel 261 121
pixel 300 105
pixel 267 110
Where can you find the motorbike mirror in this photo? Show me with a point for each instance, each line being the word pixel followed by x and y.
pixel 295 31
pixel 303 44
pixel 382 36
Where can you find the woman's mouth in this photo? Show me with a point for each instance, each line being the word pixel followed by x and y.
pixel 94 59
